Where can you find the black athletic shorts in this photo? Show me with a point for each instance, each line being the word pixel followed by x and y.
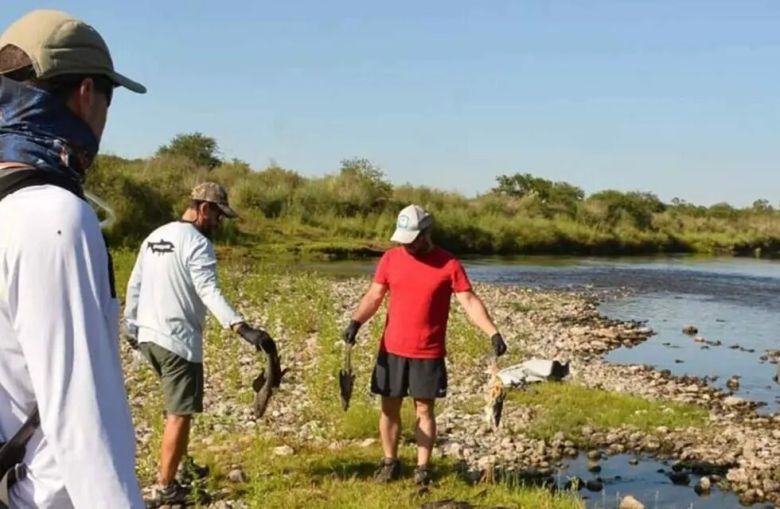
pixel 395 377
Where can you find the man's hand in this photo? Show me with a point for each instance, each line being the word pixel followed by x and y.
pixel 350 333
pixel 499 347
pixel 258 338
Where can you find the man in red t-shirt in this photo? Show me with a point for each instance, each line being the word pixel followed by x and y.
pixel 420 278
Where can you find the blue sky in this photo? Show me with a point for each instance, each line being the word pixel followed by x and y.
pixel 676 97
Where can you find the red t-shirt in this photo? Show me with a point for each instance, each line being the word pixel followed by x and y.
pixel 420 291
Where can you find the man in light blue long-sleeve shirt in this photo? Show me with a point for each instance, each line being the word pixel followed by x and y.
pixel 173 284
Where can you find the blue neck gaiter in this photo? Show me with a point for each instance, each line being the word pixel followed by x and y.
pixel 38 130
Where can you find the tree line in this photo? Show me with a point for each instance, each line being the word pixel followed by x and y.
pixel 355 206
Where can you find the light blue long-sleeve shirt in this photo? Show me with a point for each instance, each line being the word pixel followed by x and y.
pixel 173 284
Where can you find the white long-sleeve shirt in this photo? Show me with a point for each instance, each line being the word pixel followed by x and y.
pixel 173 284
pixel 59 348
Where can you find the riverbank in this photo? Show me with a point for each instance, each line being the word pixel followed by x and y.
pixel 307 451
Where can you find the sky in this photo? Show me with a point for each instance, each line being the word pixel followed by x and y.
pixel 676 97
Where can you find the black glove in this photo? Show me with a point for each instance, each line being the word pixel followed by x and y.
pixel 132 342
pixel 258 338
pixel 499 347
pixel 350 333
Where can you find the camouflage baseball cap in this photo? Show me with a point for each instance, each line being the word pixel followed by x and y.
pixel 213 193
pixel 59 44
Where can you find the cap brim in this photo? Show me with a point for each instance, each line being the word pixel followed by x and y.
pixel 229 213
pixel 124 81
pixel 404 236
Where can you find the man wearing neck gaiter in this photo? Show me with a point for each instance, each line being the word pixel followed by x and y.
pixel 59 353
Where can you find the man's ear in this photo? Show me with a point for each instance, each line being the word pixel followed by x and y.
pixel 83 97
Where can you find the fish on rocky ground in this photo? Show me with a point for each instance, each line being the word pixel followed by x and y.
pixel 264 384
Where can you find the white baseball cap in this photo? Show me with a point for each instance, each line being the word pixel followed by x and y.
pixel 411 221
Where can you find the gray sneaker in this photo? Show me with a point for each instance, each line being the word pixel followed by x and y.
pixel 422 475
pixel 175 494
pixel 389 470
pixel 189 471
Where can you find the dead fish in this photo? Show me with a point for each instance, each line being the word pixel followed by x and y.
pixel 264 385
pixel 346 379
pixel 495 398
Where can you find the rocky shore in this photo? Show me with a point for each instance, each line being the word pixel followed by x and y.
pixel 737 449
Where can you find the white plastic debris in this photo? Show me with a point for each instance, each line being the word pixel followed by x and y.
pixel 534 370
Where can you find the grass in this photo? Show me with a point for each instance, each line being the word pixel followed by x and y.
pixel 316 478
pixel 567 407
pixel 522 307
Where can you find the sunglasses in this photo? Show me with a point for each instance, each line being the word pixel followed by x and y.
pixel 103 84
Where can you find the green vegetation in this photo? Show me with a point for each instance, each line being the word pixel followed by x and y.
pixel 566 408
pixel 352 211
pixel 342 478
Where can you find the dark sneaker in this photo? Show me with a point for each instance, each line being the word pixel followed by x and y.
pixel 388 470
pixel 175 494
pixel 190 471
pixel 422 475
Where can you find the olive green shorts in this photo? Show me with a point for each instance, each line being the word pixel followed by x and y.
pixel 182 380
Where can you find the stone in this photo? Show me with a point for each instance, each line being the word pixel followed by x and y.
pixel 368 442
pixel 633 461
pixel 283 450
pixel 679 478
pixel 737 476
pixel 594 455
pixel 486 462
pixel 454 449
pixel 703 486
pixel 594 485
pixel 236 475
pixel 593 466
pixel 690 330
pixel 629 502
pixel 733 401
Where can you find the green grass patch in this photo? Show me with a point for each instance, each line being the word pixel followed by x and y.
pixel 566 407
pixel 522 307
pixel 315 478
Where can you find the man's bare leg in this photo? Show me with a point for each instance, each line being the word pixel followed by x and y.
pixel 390 426
pixel 174 445
pixel 426 430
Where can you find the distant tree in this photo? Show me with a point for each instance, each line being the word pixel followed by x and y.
pixel 723 210
pixel 359 188
pixel 635 207
pixel 367 171
pixel 553 197
pixel 762 206
pixel 200 149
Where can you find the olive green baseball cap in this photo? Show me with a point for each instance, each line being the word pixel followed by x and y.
pixel 59 44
